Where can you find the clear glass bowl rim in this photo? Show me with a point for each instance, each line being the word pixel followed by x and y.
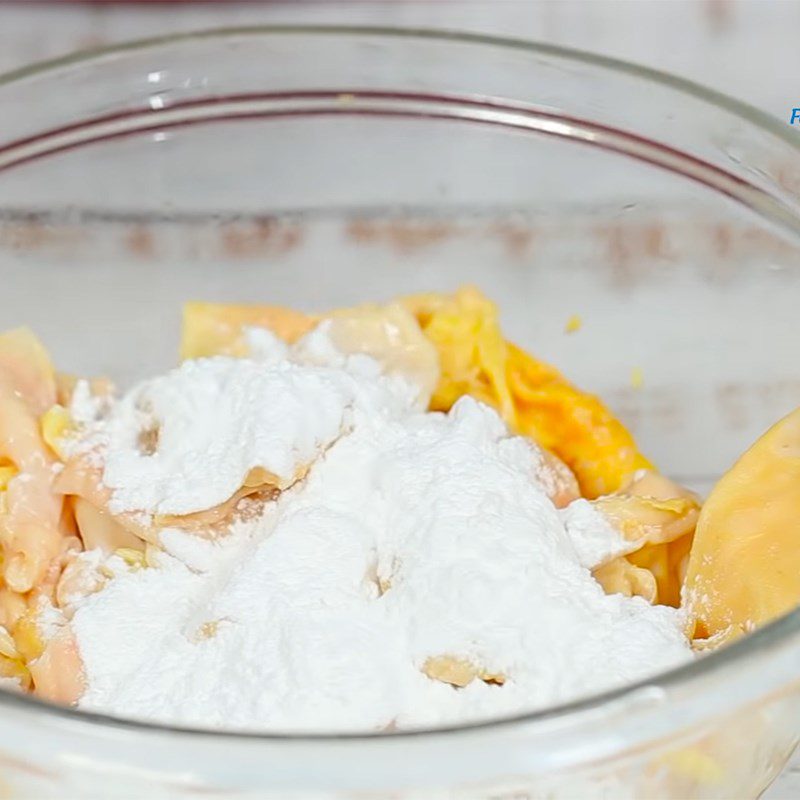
pixel 774 636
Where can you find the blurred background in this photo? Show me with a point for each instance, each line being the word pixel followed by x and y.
pixel 744 48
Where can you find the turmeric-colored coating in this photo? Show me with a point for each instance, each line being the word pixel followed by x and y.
pixel 532 396
pixel 744 566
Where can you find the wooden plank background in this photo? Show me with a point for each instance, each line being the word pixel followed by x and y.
pixel 745 48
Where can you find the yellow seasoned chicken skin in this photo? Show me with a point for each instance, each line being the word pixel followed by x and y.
pixel 32 524
pixel 744 567
pixel 532 397
pixel 657 517
pixel 218 329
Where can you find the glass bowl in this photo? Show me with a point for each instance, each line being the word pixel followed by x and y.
pixel 320 167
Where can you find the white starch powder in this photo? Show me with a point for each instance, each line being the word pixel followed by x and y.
pixel 414 536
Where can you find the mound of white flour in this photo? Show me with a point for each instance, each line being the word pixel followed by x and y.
pixel 414 536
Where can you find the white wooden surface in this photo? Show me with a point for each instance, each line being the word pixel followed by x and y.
pixel 746 48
